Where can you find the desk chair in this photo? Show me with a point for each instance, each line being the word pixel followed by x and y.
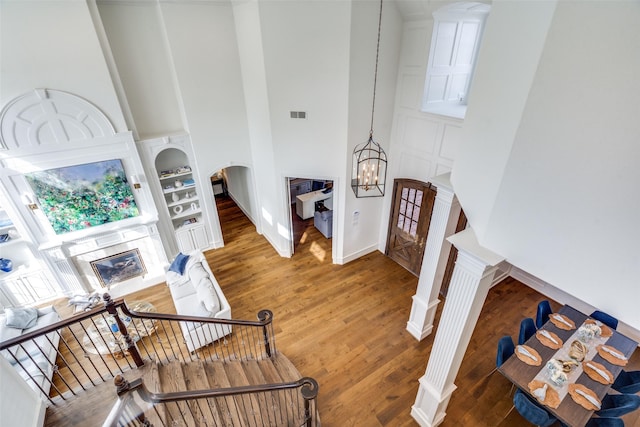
pixel 530 410
pixel 616 405
pixel 627 382
pixel 542 315
pixel 605 318
pixel 527 330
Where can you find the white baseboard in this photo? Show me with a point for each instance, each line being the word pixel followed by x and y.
pixel 356 255
pixel 562 297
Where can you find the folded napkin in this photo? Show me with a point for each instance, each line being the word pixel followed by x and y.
pixel 549 339
pixel 528 355
pixel 562 322
pixel 544 393
pixel 597 372
pixel 612 355
pixel 584 397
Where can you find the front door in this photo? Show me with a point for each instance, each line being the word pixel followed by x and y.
pixel 453 256
pixel 409 222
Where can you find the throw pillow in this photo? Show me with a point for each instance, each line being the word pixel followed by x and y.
pixel 179 263
pixel 21 318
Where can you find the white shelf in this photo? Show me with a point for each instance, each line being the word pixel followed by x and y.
pixel 175 175
pixel 11 242
pixel 183 201
pixel 176 189
pixel 186 213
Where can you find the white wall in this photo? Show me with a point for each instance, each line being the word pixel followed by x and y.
pixel 306 52
pixel 53 44
pixel 20 405
pixel 361 228
pixel 561 202
pixel 136 37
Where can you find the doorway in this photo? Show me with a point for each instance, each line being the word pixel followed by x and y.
pixel 311 210
pixel 411 209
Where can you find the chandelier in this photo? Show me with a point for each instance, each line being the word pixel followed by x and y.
pixel 369 171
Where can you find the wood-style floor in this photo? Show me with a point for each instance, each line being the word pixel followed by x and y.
pixel 345 326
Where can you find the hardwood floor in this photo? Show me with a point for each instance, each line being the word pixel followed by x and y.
pixel 345 326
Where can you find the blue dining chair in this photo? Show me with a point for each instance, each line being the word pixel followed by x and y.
pixel 605 422
pixel 605 318
pixel 527 330
pixel 530 410
pixel 627 382
pixel 505 349
pixel 616 405
pixel 542 315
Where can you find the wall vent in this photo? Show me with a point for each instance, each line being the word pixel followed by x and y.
pixel 298 114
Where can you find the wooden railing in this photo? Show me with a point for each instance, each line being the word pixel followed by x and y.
pixel 95 346
pixel 285 404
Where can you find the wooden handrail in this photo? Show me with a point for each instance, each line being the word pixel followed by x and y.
pixel 265 318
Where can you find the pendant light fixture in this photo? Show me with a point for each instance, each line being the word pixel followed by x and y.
pixel 369 170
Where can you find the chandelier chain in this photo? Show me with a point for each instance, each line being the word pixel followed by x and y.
pixel 375 75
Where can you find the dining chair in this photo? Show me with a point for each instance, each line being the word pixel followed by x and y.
pixel 605 318
pixel 505 349
pixel 605 422
pixel 542 315
pixel 527 330
pixel 616 405
pixel 530 411
pixel 627 382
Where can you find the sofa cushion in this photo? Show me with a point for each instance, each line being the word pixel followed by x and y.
pixel 21 318
pixel 179 263
pixel 203 286
pixel 47 316
pixel 207 295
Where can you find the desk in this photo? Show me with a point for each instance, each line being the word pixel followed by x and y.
pixel 306 203
pixel 569 412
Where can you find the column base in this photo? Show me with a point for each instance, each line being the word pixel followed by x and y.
pixel 420 323
pixel 430 406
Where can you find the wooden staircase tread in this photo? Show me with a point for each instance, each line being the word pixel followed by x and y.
pixel 287 370
pixel 248 404
pixel 195 378
pixel 151 380
pixel 172 380
pixel 272 376
pixel 226 406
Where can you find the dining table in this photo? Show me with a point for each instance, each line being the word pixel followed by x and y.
pixel 571 357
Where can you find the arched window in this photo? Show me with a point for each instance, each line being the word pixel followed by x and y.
pixel 457 32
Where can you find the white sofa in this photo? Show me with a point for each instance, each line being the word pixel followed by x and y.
pixel 196 292
pixel 40 352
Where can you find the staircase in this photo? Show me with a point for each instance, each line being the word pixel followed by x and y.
pixel 266 408
pixel 238 379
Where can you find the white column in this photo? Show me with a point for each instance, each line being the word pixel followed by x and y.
pixel 444 219
pixel 470 283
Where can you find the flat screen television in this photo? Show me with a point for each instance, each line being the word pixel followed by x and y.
pixel 81 196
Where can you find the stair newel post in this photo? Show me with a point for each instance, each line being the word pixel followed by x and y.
pixel 132 348
pixel 123 387
pixel 263 315
pixel 309 392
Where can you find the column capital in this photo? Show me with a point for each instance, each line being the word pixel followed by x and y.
pixel 443 182
pixel 467 243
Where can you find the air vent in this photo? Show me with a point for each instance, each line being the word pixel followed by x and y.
pixel 298 114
